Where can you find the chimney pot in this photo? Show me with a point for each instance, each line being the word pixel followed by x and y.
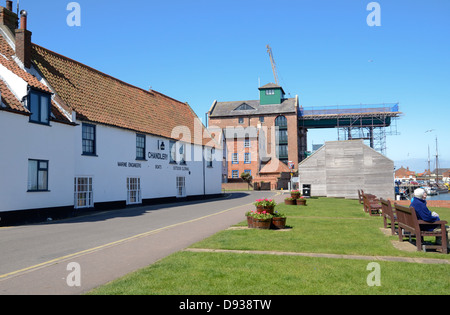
pixel 8 18
pixel 23 41
pixel 23 19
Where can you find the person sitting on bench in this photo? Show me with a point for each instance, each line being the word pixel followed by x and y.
pixel 419 204
pixel 423 213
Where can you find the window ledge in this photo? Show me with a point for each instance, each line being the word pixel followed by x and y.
pixel 39 123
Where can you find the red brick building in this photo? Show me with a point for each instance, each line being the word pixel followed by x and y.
pixel 257 132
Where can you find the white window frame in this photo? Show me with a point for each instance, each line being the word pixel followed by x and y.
pixel 134 192
pixel 85 196
pixel 235 158
pixel 181 186
pixel 247 158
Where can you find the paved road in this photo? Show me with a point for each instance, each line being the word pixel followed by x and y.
pixel 35 259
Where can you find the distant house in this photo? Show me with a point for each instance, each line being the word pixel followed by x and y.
pixel 276 173
pixel 425 176
pixel 446 176
pixel 340 168
pixel 74 138
pixel 443 174
pixel 404 174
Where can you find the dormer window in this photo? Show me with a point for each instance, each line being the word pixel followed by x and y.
pixel 39 106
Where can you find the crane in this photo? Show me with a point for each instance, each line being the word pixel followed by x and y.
pixel 274 66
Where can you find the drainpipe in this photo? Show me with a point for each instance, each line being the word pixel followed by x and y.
pixel 204 175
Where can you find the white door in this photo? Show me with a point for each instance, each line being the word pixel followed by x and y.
pixel 181 186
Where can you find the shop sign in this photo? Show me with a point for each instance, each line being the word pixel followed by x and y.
pixel 129 164
pixel 157 156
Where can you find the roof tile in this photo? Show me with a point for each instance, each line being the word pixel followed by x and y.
pixel 100 98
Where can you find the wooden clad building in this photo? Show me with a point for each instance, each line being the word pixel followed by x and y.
pixel 340 168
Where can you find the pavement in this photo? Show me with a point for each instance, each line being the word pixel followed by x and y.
pixel 78 272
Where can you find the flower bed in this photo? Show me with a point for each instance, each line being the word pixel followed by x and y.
pixel 264 217
pixel 301 201
pixel 278 221
pixel 290 201
pixel 295 194
pixel 267 205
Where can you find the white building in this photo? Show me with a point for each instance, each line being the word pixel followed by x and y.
pixel 72 137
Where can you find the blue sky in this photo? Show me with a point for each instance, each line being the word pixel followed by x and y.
pixel 198 51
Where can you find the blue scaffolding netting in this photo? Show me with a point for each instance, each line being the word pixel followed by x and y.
pixel 349 109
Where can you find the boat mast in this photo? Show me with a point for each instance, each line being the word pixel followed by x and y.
pixel 437 163
pixel 429 165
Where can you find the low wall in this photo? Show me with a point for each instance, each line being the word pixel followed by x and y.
pixel 430 203
pixel 236 186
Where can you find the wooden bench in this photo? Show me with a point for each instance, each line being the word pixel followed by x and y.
pixel 388 214
pixel 359 196
pixel 370 196
pixel 371 206
pixel 407 221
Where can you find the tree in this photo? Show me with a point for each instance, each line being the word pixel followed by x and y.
pixel 246 177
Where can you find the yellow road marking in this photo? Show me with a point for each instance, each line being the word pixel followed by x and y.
pixel 91 250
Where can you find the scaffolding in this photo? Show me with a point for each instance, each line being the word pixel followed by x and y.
pixel 369 122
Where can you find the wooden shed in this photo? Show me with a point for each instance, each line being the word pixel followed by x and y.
pixel 340 168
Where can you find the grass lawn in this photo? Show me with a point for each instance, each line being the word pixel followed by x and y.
pixel 325 225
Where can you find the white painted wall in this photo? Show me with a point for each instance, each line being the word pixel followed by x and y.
pixel 21 140
pixel 61 145
pixel 158 177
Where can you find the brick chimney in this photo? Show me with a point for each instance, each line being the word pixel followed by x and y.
pixel 8 18
pixel 23 41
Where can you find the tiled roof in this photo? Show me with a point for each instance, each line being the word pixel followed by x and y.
pixel 8 98
pixel 402 172
pixel 100 98
pixel 11 102
pixel 8 61
pixel 274 166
